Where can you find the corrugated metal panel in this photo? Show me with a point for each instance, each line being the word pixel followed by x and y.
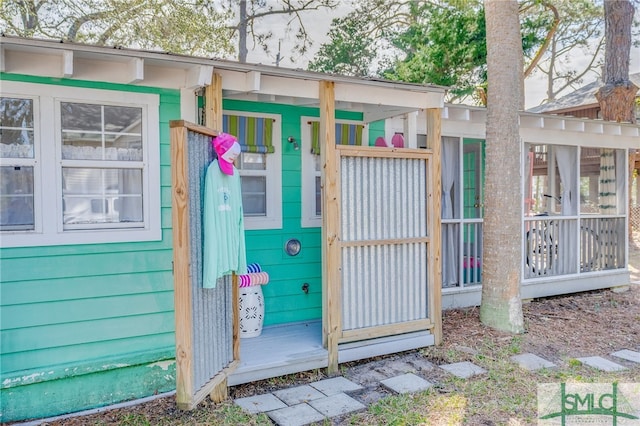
pixel 383 199
pixel 212 338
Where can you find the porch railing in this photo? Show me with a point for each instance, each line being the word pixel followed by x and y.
pixel 461 252
pixel 560 246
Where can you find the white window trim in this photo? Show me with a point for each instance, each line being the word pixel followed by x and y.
pixel 48 174
pixel 309 218
pixel 273 219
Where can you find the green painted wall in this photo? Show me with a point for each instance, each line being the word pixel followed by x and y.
pixel 284 299
pixel 83 326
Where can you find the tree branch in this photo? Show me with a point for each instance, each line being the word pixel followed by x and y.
pixel 547 40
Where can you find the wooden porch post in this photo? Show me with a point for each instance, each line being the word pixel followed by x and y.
pixel 213 120
pixel 181 261
pixel 331 317
pixel 434 131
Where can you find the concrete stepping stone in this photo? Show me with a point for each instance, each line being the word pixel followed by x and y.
pixel 628 355
pixel 336 385
pixel 600 363
pixel 464 369
pixel 532 362
pixel 298 394
pixel 407 383
pixel 260 403
pixel 336 405
pixel 297 415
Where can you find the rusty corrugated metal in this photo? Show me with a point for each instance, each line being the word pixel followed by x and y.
pixel 383 199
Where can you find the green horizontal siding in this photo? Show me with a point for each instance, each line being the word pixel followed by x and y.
pixel 284 299
pixel 98 389
pixel 64 307
pixel 54 290
pixel 88 309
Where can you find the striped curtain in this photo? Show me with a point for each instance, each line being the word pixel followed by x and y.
pixel 346 134
pixel 254 134
pixel 607 183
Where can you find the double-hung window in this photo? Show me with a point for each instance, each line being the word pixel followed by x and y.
pixel 77 166
pixel 347 133
pixel 259 165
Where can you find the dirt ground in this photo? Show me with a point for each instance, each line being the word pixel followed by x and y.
pixel 584 324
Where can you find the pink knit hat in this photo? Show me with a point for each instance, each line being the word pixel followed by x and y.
pixel 227 149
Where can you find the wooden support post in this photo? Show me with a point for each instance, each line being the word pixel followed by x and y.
pixel 331 299
pixel 213 120
pixel 434 131
pixel 213 103
pixel 181 261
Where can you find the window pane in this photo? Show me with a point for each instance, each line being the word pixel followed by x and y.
pixel 120 119
pixel 254 195
pixel 81 146
pixel 101 195
pixel 81 116
pixel 118 138
pixel 123 147
pixel 16 128
pixel 16 198
pixel 88 146
pixel 252 161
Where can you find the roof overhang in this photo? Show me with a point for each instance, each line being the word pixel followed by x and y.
pixel 376 99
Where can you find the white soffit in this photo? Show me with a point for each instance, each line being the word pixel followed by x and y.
pixel 561 130
pixel 377 99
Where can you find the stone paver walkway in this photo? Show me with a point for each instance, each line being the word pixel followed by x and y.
pixel 369 382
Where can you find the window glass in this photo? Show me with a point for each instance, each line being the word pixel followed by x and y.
pixel 254 195
pixel 259 166
pixel 16 128
pixel 16 198
pixel 92 195
pixel 77 159
pixel 251 161
pixel 97 132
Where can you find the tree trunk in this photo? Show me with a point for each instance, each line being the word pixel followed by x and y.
pixel 242 33
pixel 501 305
pixel 617 96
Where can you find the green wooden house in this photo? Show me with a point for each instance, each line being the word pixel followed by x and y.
pixel 87 255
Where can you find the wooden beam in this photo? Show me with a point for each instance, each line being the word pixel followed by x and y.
pixel 198 76
pixel 181 261
pixel 434 177
pixel 331 318
pixel 213 120
pixel 213 103
pixel 3 66
pixel 253 81
pixel 67 64
pixel 136 70
pixel 385 330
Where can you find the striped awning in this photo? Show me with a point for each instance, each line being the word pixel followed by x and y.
pixel 346 134
pixel 255 134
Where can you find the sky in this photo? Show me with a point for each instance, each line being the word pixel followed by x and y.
pixel 320 23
